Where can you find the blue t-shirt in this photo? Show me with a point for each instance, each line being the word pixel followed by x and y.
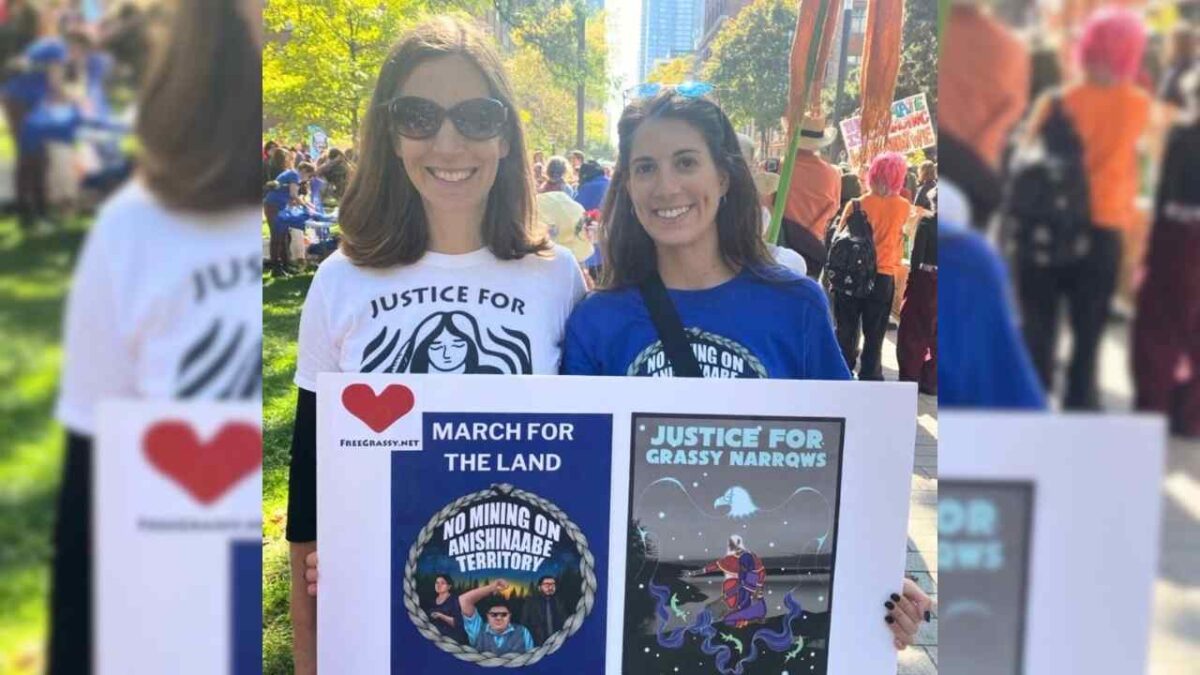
pixel 522 640
pixel 982 360
pixel 747 327
pixel 31 86
pixel 49 122
pixel 591 193
pixel 281 195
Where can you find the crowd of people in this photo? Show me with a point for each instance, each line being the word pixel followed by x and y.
pixel 1080 166
pixel 61 70
pixel 442 199
pixel 898 203
pixel 297 190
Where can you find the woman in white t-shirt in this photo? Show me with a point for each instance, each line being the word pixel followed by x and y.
pixel 166 298
pixel 438 269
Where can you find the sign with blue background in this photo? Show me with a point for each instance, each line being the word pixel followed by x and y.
pixel 500 544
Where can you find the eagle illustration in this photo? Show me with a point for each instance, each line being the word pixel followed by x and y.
pixel 739 502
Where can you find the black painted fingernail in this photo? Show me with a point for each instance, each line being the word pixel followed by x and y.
pixel 889 605
pixel 889 619
pixel 927 616
pixel 895 598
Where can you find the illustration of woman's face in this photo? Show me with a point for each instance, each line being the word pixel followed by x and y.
pixel 447 352
pixel 440 585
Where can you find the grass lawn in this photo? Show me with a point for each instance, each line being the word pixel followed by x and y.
pixel 282 300
pixel 34 277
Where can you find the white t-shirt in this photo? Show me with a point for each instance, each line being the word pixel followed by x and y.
pixel 163 304
pixel 469 313
pixel 789 259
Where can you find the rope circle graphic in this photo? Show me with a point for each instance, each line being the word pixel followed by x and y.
pixel 425 625
pixel 696 335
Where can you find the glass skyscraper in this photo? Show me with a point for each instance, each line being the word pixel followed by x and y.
pixel 669 28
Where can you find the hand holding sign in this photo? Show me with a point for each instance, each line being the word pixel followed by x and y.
pixel 310 572
pixel 905 613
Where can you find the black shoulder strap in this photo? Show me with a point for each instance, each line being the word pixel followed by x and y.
pixel 669 327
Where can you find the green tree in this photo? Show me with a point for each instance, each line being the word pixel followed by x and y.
pixel 749 65
pixel 546 107
pixel 321 58
pixel 674 71
pixel 571 42
pixel 919 54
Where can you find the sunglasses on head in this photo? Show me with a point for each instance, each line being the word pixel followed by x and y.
pixel 477 119
pixel 497 615
pixel 688 89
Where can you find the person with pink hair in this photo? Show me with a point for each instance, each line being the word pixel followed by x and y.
pixel 887 212
pixel 1109 113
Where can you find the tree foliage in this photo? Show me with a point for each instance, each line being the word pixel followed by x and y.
pixel 321 58
pixel 749 63
pixel 544 73
pixel 918 60
pixel 673 71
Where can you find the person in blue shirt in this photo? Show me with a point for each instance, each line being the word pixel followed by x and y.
pixel 286 192
pixel 500 635
pixel 683 205
pixel 556 177
pixel 982 359
pixel 593 185
pixel 24 92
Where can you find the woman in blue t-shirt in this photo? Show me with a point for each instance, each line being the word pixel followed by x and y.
pixel 682 207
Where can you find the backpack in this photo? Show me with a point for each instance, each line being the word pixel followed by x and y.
pixel 1045 209
pixel 850 268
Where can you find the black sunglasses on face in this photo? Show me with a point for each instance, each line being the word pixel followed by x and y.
pixel 497 615
pixel 477 119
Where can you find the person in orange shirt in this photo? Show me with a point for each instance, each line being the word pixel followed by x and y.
pixel 814 196
pixel 979 49
pixel 887 212
pixel 1110 113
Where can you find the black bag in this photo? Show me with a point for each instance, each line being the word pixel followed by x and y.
pixel 850 269
pixel 670 330
pixel 1047 215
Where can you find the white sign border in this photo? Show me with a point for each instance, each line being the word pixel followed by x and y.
pixel 1086 547
pixel 877 463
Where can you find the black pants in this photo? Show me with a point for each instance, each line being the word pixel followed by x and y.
pixel 870 315
pixel 70 650
pixel 1087 286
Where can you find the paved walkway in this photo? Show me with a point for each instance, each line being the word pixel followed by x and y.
pixel 922 520
pixel 1175 622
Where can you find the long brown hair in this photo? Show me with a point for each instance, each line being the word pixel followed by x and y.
pixel 382 216
pixel 629 256
pixel 200 111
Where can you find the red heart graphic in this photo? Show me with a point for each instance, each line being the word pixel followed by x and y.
pixel 205 470
pixel 378 412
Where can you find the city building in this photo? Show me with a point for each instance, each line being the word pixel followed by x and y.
pixel 670 28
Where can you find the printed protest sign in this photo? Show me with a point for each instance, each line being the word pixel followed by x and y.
pixel 1042 521
pixel 589 525
pixel 178 538
pixel 737 536
pixel 983 546
pixel 318 141
pixel 911 129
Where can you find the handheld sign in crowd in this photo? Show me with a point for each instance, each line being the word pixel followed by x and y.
pixel 911 129
pixel 609 525
pixel 1044 522
pixel 178 539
